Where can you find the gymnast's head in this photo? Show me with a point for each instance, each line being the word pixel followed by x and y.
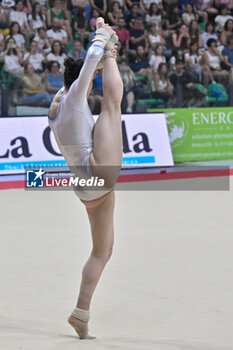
pixel 72 70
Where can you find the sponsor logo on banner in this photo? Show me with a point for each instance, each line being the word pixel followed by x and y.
pixel 28 142
pixel 200 133
pixel 178 128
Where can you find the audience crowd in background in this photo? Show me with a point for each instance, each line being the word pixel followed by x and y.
pixel 165 47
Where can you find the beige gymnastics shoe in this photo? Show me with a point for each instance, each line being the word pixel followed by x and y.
pixel 103 32
pixel 79 321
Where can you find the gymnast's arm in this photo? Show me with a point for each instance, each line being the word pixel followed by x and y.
pixel 77 94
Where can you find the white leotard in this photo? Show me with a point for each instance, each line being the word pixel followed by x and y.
pixel 74 123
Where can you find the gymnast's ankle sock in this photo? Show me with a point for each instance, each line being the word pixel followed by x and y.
pixel 103 35
pixel 83 315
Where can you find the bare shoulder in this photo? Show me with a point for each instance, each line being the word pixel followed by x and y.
pixel 55 106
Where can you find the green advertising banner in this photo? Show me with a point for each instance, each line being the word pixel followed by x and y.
pixel 200 133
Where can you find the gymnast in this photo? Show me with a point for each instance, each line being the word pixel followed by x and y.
pixel 96 148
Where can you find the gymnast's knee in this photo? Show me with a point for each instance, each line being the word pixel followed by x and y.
pixel 111 106
pixel 103 255
pixel 110 178
pixel 114 91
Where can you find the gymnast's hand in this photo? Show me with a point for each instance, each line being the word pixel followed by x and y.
pixel 114 51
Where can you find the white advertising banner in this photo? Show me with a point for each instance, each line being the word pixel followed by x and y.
pixel 29 142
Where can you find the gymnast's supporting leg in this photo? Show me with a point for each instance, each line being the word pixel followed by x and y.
pixel 107 151
pixel 101 222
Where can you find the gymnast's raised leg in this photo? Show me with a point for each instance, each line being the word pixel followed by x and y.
pixel 106 158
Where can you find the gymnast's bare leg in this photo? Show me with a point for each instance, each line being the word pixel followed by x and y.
pixel 107 154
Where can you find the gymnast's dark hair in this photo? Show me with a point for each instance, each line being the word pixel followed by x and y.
pixel 72 70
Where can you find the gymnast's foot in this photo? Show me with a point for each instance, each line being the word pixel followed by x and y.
pixel 99 22
pixel 103 32
pixel 80 327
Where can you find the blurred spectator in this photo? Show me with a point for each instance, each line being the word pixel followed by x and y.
pixel 218 4
pixel 163 86
pixel 221 19
pixel 227 52
pixel 123 34
pixel 132 15
pixel 138 35
pixel 154 36
pixel 54 79
pixel 208 34
pixel 130 3
pixel 4 14
pixel 140 65
pixel 36 19
pixel 57 12
pixel 189 15
pixel 208 7
pixel 77 52
pixel 6 8
pixel 179 77
pixel 139 61
pixel 177 56
pixel 128 77
pixel 157 57
pixel 35 58
pixel 196 65
pixel 172 19
pixel 202 7
pixel 114 14
pixel 121 3
pixel 57 33
pixel 27 7
pixel 42 41
pixel 183 83
pixel 15 32
pixel 34 91
pixel 11 58
pixel 228 30
pixel 19 16
pixel 147 4
pixel 213 59
pixel 167 6
pixel 80 28
pixel 180 39
pixel 183 4
pixel 57 54
pixel 195 33
pixel 76 5
pixel 44 6
pixel 100 5
pixel 153 16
